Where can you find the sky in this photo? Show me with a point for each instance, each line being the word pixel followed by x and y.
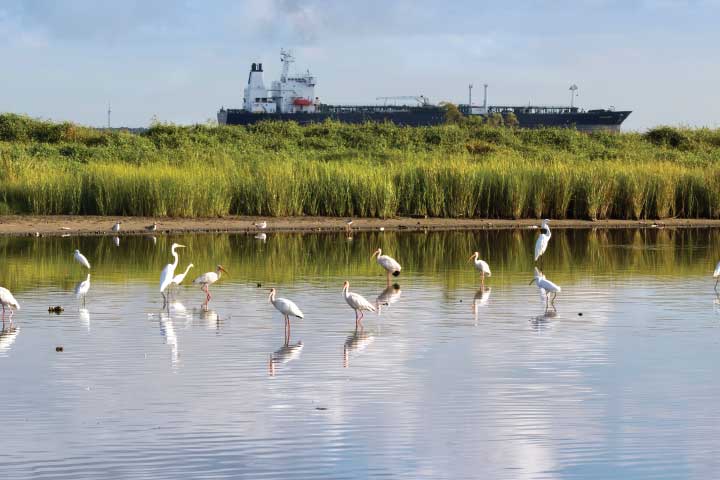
pixel 179 60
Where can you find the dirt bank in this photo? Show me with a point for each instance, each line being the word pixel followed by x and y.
pixel 90 225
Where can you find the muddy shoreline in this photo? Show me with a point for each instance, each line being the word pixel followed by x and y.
pixel 94 225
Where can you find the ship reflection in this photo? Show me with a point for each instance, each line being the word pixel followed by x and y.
pixel 356 344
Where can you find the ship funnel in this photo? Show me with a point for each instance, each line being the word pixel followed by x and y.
pixel 253 67
pixel 260 67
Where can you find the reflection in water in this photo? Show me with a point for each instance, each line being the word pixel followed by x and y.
pixel 285 354
pixel 387 297
pixel 356 344
pixel 167 330
pixel 116 241
pixel 84 316
pixel 8 334
pixel 481 298
pixel 82 288
pixel 210 318
pixel 261 236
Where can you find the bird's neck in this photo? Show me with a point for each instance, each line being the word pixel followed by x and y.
pixel 187 269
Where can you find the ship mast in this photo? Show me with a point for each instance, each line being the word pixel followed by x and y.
pixel 573 89
pixel 286 57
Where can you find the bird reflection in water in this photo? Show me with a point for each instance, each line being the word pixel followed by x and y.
pixel 167 330
pixel 355 344
pixel 288 352
pixel 116 241
pixel 387 297
pixel 540 322
pixel 210 318
pixel 261 236
pixel 84 316
pixel 481 298
pixel 8 334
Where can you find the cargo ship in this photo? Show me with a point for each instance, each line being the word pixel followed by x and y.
pixel 292 98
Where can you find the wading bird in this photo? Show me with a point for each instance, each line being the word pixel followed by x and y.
pixel 287 308
pixel 262 225
pixel 481 266
pixel 82 288
pixel 546 286
pixel 542 241
pixel 178 279
pixel 81 259
pixel 716 275
pixel 357 302
pixel 116 227
pixel 207 279
pixel 391 266
pixel 7 300
pixel 168 273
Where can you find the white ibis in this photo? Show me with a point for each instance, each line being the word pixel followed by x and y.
pixel 546 286
pixel 168 273
pixel 391 266
pixel 81 259
pixel 543 239
pixel 207 279
pixel 82 288
pixel 287 308
pixel 481 266
pixel 116 227
pixel 8 301
pixel 357 302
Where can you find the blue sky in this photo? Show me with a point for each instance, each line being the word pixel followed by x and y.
pixel 179 61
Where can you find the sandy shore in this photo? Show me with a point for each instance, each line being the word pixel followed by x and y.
pixel 91 225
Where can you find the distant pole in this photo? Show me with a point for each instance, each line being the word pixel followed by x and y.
pixel 470 96
pixel 485 97
pixel 109 112
pixel 573 89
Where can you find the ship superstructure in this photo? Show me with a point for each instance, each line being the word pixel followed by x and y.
pixel 292 98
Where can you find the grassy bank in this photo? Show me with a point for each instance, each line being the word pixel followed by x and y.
pixel 349 170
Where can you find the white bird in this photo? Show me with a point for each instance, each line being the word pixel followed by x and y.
pixel 388 263
pixel 168 273
pixel 716 275
pixel 207 279
pixel 287 308
pixel 81 259
pixel 116 227
pixel 178 279
pixel 546 286
pixel 7 300
pixel 262 225
pixel 357 302
pixel 542 241
pixel 82 288
pixel 481 266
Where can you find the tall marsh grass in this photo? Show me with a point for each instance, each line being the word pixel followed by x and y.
pixel 372 170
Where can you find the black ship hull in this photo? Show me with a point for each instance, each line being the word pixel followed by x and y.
pixel 592 120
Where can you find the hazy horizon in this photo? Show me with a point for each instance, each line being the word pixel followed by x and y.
pixel 180 62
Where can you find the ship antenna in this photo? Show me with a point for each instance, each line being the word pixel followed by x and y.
pixel 470 87
pixel 109 112
pixel 573 89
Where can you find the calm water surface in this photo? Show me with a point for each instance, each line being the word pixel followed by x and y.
pixel 447 382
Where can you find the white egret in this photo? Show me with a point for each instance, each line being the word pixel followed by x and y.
pixel 546 286
pixel 116 227
pixel 542 241
pixel 82 288
pixel 7 300
pixel 481 266
pixel 357 302
pixel 207 279
pixel 168 273
pixel 716 275
pixel 287 308
pixel 391 266
pixel 178 279
pixel 262 225
pixel 81 259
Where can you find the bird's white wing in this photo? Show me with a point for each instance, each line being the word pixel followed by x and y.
pixel 546 284
pixel 716 273
pixel 389 263
pixel 361 302
pixel 541 245
pixel 288 307
pixel 484 267
pixel 166 276
pixel 82 260
pixel 82 288
pixel 209 277
pixel 7 298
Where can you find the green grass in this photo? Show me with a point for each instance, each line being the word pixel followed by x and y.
pixel 372 170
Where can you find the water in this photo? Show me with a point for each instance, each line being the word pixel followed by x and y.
pixel 447 382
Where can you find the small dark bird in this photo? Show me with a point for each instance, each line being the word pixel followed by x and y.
pixel 57 309
pixel 59 348
pixel 151 228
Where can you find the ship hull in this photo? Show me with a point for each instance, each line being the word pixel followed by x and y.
pixel 583 121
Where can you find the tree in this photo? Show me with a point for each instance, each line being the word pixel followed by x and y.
pixel 452 113
pixel 511 120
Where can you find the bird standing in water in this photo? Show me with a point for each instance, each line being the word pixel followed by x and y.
pixel 287 308
pixel 546 287
pixel 357 302
pixel 8 301
pixel 391 266
pixel 207 279
pixel 168 273
pixel 481 266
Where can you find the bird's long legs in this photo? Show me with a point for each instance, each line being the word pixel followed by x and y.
pixel 206 289
pixel 287 330
pixel 482 280
pixel 358 319
pixel 389 282
pixel 716 283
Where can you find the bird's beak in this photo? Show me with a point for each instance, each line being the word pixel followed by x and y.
pixel 373 255
pixel 221 268
pixel 471 257
pixel 533 280
pixel 180 246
